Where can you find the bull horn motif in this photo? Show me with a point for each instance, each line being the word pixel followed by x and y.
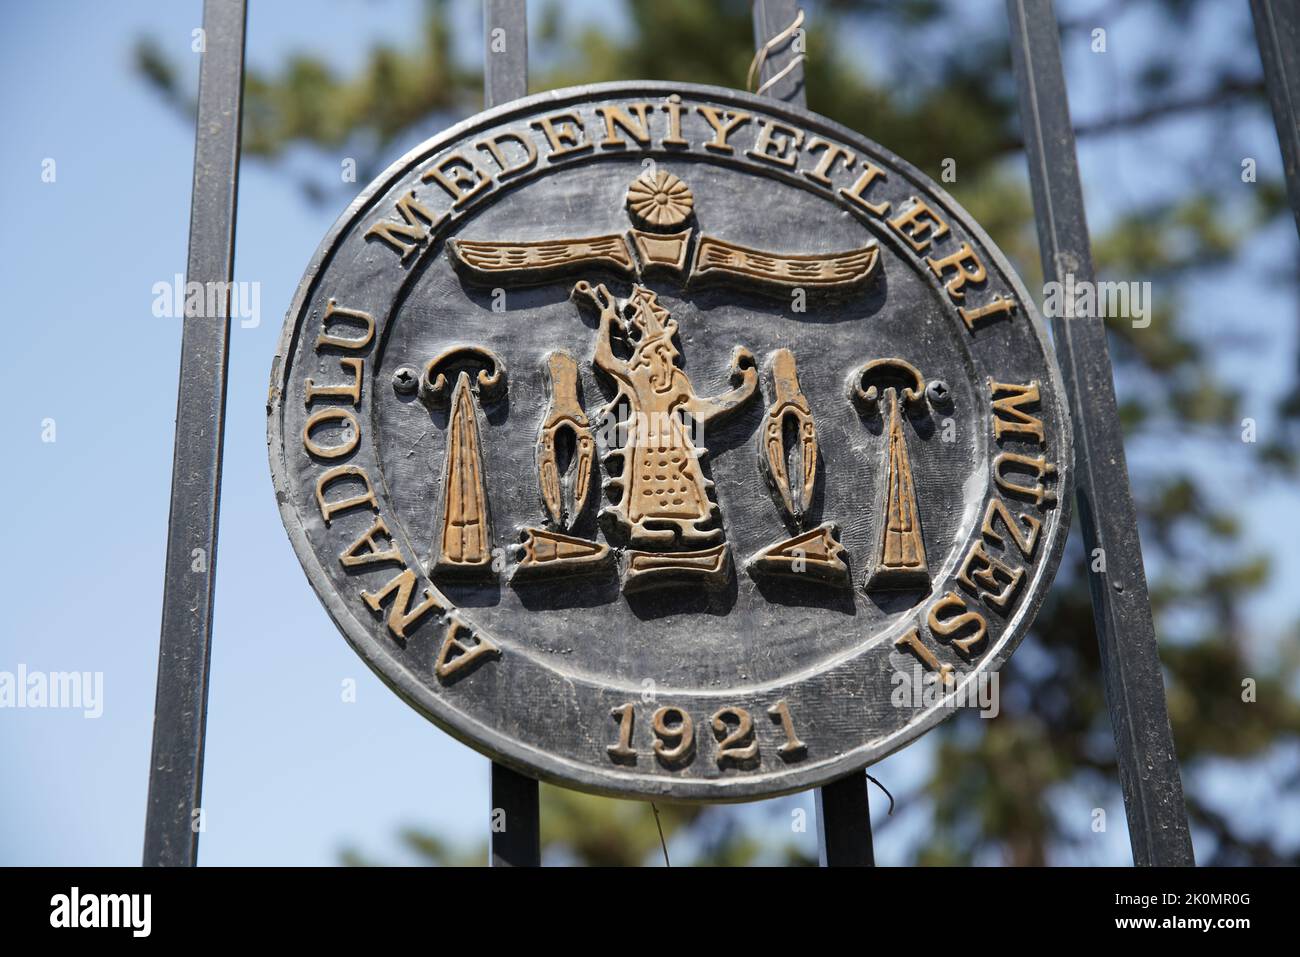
pixel 666 239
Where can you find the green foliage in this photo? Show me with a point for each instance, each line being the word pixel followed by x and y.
pixel 599 832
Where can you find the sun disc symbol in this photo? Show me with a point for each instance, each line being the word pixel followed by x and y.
pixel 661 201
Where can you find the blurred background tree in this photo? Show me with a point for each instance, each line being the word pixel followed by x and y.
pixel 938 85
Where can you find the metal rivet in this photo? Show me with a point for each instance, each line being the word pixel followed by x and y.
pixel 938 393
pixel 405 380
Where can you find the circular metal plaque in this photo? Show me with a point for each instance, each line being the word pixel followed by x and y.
pixel 665 441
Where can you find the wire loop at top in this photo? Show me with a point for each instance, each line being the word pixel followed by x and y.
pixel 760 57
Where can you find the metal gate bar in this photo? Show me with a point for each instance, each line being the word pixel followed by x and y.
pixel 843 814
pixel 516 820
pixel 515 833
pixel 844 823
pixel 1277 28
pixel 1135 692
pixel 778 61
pixel 173 818
pixel 505 51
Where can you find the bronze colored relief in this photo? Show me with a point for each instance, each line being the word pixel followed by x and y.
pixel 681 281
pixel 899 558
pixel 566 452
pixel 662 203
pixel 790 468
pixel 664 502
pixel 465 540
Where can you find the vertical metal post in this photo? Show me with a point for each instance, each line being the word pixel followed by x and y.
pixel 180 710
pixel 505 51
pixel 778 42
pixel 1135 693
pixel 844 823
pixel 516 822
pixel 843 816
pixel 1277 28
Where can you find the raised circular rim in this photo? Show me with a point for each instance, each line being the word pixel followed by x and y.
pixel 544 764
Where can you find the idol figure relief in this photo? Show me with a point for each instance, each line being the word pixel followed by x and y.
pixel 664 503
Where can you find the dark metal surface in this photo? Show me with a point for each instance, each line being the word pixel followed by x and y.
pixel 780 73
pixel 505 78
pixel 176 764
pixel 560 668
pixel 1148 763
pixel 844 823
pixel 505 51
pixel 515 827
pixel 1277 28
pixel 843 817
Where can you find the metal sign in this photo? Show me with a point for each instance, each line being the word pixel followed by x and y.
pixel 666 441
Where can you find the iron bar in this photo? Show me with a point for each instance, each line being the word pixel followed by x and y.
pixel 1135 694
pixel 844 823
pixel 516 821
pixel 843 816
pixel 505 51
pixel 173 819
pixel 515 835
pixel 777 70
pixel 1277 28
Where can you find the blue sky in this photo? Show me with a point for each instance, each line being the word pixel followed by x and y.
pixel 293 772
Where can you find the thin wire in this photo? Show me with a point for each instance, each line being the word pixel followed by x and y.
pixel 662 842
pixel 760 56
pixel 887 794
pixel 774 80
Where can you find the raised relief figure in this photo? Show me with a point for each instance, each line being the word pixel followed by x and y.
pixel 666 244
pixel 665 513
pixel 790 468
pixel 565 459
pixel 898 556
pixel 664 509
pixel 465 530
